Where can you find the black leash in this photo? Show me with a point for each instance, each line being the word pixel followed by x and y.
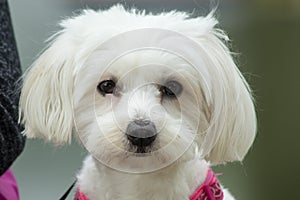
pixel 68 191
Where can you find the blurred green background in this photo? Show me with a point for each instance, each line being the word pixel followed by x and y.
pixel 266 33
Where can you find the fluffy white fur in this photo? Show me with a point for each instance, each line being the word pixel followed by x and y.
pixel 212 121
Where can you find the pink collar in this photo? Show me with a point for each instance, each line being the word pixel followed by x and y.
pixel 209 190
pixel 80 196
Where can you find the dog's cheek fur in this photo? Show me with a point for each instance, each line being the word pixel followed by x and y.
pixel 95 124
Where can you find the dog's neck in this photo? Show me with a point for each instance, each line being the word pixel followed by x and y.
pixel 177 181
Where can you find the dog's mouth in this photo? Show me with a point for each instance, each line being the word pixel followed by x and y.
pixel 141 151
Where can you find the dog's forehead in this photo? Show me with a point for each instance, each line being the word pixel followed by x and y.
pixel 148 65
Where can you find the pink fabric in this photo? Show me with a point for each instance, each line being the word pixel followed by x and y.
pixel 8 186
pixel 209 190
pixel 80 196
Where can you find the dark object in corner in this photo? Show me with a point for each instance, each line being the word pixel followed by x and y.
pixel 11 140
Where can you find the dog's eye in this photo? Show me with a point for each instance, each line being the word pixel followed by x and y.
pixel 106 87
pixel 171 89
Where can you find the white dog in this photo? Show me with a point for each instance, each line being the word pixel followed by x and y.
pixel 155 99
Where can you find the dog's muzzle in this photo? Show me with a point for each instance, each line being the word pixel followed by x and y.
pixel 141 133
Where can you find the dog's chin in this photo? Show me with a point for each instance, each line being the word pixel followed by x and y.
pixel 135 163
pixel 140 160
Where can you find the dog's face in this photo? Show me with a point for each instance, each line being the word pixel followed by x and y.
pixel 142 111
pixel 137 96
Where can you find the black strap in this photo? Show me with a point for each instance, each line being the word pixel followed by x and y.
pixel 68 191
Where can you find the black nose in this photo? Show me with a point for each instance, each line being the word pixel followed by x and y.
pixel 141 133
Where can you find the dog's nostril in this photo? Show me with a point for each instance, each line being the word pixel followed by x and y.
pixel 141 133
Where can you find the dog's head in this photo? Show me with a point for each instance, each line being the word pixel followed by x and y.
pixel 137 87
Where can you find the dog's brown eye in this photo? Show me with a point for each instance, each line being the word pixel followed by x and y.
pixel 171 89
pixel 106 87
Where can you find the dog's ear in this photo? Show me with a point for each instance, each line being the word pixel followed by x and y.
pixel 46 97
pixel 232 118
